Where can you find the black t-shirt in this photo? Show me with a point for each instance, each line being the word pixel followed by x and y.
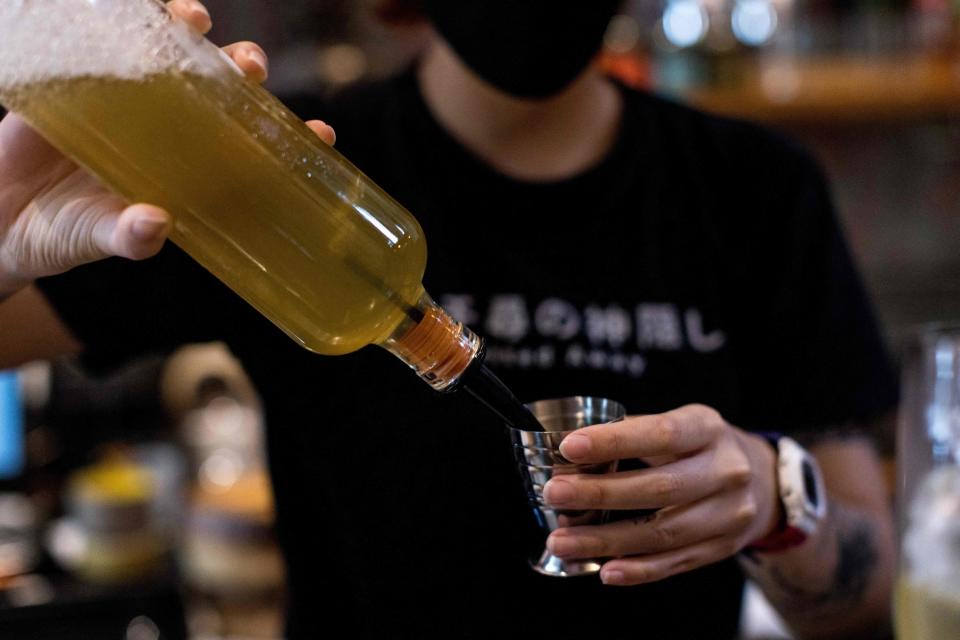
pixel 700 261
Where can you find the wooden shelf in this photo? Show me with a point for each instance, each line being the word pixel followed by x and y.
pixel 845 89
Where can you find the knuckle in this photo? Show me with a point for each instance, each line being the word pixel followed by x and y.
pixel 596 493
pixel 713 417
pixel 597 546
pixel 715 427
pixel 704 410
pixel 688 563
pixel 666 432
pixel 706 413
pixel 664 535
pixel 710 419
pixel 616 442
pixel 643 573
pixel 746 514
pixel 739 473
pixel 664 487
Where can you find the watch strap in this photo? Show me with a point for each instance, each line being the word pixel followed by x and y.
pixel 784 536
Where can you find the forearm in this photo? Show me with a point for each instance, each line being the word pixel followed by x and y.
pixel 838 583
pixel 31 330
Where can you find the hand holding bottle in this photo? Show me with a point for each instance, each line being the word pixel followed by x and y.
pixel 159 114
pixel 55 216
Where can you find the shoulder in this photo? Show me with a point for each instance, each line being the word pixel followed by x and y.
pixel 725 146
pixel 758 197
pixel 748 181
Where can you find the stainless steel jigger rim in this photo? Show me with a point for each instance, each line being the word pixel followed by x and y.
pixel 573 406
pixel 580 411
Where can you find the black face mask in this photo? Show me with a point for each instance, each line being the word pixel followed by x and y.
pixel 527 48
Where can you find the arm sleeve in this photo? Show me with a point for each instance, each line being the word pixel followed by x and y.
pixel 120 309
pixel 809 345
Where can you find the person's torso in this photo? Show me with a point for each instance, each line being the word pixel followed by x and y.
pixel 400 508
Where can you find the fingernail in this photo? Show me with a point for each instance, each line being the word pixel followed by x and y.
pixel 259 59
pixel 147 229
pixel 558 492
pixel 563 545
pixel 575 446
pixel 612 577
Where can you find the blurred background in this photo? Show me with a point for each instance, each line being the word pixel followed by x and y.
pixel 872 87
pixel 138 503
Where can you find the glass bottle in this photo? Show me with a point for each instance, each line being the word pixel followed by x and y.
pixel 928 459
pixel 161 115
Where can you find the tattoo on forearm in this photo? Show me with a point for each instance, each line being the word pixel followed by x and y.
pixel 857 558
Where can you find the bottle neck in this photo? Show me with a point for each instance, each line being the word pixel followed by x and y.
pixel 433 344
pixel 448 356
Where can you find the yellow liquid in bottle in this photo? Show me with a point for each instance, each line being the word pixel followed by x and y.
pixel 161 116
pixel 256 197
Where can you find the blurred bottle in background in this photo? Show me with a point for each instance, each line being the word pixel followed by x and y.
pixel 121 493
pixel 928 591
pixel 227 553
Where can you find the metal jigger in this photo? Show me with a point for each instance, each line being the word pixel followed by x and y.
pixel 539 458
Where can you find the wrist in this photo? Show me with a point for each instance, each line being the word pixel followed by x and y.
pixel 773 518
pixel 799 493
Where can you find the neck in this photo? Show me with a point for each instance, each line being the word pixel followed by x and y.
pixel 534 140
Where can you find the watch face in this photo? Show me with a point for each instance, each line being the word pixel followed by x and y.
pixel 810 484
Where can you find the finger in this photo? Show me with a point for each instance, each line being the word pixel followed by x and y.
pixel 643 569
pixel 136 233
pixel 325 131
pixel 680 482
pixel 679 431
pixel 251 59
pixel 193 13
pixel 726 514
pixel 659 461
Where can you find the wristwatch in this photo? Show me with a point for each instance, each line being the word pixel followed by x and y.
pixel 802 495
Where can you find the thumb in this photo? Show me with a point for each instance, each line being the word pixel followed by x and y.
pixel 137 232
